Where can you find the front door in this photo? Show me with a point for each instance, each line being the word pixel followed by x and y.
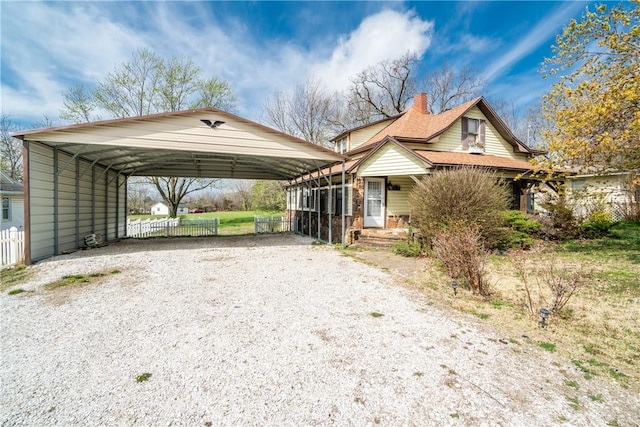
pixel 374 202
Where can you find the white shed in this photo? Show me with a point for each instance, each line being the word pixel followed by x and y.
pixel 159 209
pixel 162 209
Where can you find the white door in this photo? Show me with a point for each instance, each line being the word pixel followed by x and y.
pixel 374 202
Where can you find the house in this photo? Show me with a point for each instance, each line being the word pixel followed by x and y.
pixel 387 158
pixel 162 209
pixel 613 192
pixel 12 196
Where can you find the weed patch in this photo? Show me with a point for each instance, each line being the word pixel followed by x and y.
pixel 10 277
pixel 16 291
pixel 595 397
pixel 376 314
pixel 143 377
pixel 77 279
pixel 572 384
pixel 550 347
pixel 483 316
pixel 574 403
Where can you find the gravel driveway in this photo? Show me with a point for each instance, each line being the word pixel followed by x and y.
pixel 267 330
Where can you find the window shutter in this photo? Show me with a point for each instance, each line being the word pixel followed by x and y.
pixel 482 132
pixel 465 133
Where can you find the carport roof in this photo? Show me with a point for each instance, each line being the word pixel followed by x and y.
pixel 180 144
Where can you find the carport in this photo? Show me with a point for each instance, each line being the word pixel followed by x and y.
pixel 75 176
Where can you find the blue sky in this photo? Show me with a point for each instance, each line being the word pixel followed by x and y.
pixel 260 47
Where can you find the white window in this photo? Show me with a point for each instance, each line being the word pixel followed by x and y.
pixel 474 127
pixel 342 146
pixel 6 209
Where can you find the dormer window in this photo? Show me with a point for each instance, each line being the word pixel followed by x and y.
pixel 342 146
pixel 473 135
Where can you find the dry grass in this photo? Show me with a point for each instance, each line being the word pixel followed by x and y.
pixel 598 330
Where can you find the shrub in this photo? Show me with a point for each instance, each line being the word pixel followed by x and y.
pixel 464 196
pixel 408 249
pixel 520 230
pixel 461 251
pixel 560 224
pixel 595 229
pixel 520 222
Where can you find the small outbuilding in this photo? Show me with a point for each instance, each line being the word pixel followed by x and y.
pixel 12 195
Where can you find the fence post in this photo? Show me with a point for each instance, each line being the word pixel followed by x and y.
pixel 13 246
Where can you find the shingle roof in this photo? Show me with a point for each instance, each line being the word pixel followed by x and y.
pixel 445 158
pixel 414 125
pixel 8 185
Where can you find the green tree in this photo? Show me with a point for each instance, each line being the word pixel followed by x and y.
pixel 150 84
pixel 594 107
pixel 269 196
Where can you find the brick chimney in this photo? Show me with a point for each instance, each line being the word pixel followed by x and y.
pixel 420 103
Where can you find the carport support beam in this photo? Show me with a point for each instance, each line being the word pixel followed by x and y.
pixel 344 217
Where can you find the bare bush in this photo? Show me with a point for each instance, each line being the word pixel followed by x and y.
pixel 467 196
pixel 563 281
pixel 548 278
pixel 462 252
pixel 523 271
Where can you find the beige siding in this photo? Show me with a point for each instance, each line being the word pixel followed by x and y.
pixel 590 193
pixel 495 145
pixel 85 223
pixel 41 201
pixel 360 136
pixel 398 200
pixel 391 160
pixel 77 201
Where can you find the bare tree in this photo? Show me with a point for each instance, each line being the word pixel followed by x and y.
pixel 307 112
pixel 145 85
pixel 150 84
pixel 78 105
pixel 216 93
pixel 242 194
pixel 448 87
pixel 383 90
pixel 173 190
pixel 11 149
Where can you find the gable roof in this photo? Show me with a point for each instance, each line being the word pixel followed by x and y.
pixel 10 186
pixel 414 125
pixel 180 144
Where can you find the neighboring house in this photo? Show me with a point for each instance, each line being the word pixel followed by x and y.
pixel 613 192
pixel 387 158
pixel 162 209
pixel 12 196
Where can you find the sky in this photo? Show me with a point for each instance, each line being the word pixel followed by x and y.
pixel 261 47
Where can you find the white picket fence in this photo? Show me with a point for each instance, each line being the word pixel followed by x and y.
pixel 12 244
pixel 266 224
pixel 171 227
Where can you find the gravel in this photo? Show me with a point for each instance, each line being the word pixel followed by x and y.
pixel 266 330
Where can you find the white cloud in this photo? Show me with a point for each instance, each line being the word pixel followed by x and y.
pixel 547 27
pixel 53 46
pixel 385 35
